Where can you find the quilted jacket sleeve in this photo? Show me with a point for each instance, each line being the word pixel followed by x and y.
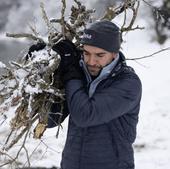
pixel 121 97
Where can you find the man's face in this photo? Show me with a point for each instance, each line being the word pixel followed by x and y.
pixel 96 58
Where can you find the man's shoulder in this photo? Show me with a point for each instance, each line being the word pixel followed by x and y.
pixel 126 72
pixel 126 77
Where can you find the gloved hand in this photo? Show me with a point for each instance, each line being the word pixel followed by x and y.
pixel 69 66
pixel 35 47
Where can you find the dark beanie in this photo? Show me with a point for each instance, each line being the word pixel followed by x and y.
pixel 102 34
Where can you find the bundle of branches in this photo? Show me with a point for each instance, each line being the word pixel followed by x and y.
pixel 27 88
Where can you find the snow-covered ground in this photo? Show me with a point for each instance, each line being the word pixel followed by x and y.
pixel 152 146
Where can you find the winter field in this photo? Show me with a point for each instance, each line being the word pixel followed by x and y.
pixel 152 144
pixel 152 148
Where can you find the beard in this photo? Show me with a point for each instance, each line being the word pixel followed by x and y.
pixel 94 70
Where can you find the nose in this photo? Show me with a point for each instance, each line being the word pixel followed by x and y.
pixel 91 61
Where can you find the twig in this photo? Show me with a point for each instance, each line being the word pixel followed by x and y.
pixel 3 153
pixel 45 17
pixel 52 149
pixel 21 134
pixel 135 11
pixel 9 161
pixel 12 130
pixel 33 29
pixel 24 35
pixel 28 159
pixel 140 64
pixel 125 17
pixel 32 153
pixel 151 55
pixel 16 157
pixel 62 17
pixel 78 3
pixel 147 3
pixel 55 20
pixel 59 121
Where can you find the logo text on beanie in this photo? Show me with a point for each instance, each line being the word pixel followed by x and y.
pixel 87 36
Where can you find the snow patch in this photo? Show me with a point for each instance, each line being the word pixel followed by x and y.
pixel 2 65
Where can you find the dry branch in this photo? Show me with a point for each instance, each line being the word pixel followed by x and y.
pixel 127 5
pixel 151 55
pixel 135 12
pixel 62 18
pixel 24 35
pixel 32 94
pixel 45 17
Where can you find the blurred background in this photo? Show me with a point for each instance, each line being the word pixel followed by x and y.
pixel 152 147
pixel 17 15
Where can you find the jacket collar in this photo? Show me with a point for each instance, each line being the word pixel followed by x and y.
pixel 110 70
pixel 121 64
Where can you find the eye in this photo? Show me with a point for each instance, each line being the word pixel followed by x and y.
pixel 85 53
pixel 100 55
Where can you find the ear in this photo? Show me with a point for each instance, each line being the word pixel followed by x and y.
pixel 114 55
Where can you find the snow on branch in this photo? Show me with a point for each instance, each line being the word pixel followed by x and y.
pixel 27 87
pixel 26 94
pixel 24 35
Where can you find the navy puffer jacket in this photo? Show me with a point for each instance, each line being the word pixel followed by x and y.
pixel 103 119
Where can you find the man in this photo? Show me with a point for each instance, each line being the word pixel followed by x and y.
pixel 103 97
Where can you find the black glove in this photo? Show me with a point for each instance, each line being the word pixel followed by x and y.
pixel 35 47
pixel 69 66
